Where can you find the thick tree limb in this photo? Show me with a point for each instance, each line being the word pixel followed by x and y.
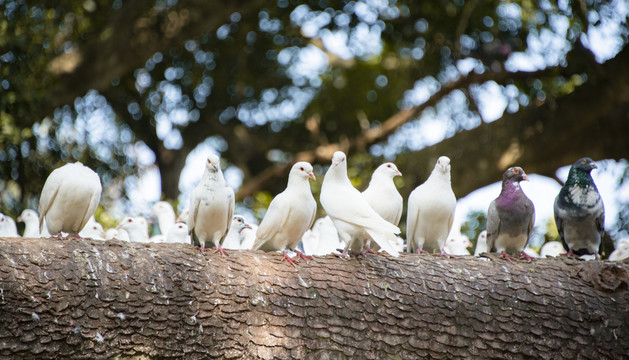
pixel 91 299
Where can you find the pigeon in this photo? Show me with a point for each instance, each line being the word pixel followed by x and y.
pixel 31 223
pixel 350 212
pixel 621 253
pixel 233 239
pixel 69 198
pixel 323 238
pixel 290 214
pixel 383 196
pixel 510 217
pixel 481 243
pixel 93 230
pixel 457 245
pixel 552 249
pixel 178 234
pixel 211 208
pixel 532 253
pixel 579 211
pixel 116 234
pixel 431 211
pixel 165 216
pixel 136 228
pixel 248 236
pixel 7 226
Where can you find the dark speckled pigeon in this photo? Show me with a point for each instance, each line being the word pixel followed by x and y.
pixel 510 217
pixel 579 211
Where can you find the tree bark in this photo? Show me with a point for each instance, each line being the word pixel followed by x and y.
pixel 91 299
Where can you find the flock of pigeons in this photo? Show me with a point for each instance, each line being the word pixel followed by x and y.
pixel 356 222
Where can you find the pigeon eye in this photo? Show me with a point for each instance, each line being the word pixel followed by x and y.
pixel 583 161
pixel 301 168
pixel 516 171
pixel 130 220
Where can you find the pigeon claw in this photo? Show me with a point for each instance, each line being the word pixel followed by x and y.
pixel 369 251
pixel 506 256
pixel 289 259
pixel 302 256
pixel 526 256
pixel 446 255
pixel 421 251
pixel 221 250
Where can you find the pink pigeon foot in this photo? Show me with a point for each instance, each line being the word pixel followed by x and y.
pixel 420 251
pixel 289 259
pixel 221 250
pixel 446 255
pixel 526 256
pixel 506 256
pixel 368 251
pixel 303 256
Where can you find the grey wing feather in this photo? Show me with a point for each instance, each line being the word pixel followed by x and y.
pixel 493 225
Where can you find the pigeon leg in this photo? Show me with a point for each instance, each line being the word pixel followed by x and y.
pixel 221 250
pixel 302 255
pixel 289 259
pixel 526 256
pixel 368 251
pixel 343 255
pixel 506 256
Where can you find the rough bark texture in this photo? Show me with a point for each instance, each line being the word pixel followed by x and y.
pixel 90 299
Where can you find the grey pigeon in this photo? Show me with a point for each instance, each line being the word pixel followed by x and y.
pixel 510 217
pixel 579 211
pixel 211 208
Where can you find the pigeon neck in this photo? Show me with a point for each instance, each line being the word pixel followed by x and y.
pixel 579 178
pixel 510 188
pixel 438 175
pixel 214 176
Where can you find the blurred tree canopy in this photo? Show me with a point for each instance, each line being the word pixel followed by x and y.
pixel 270 83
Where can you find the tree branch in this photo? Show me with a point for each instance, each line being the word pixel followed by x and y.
pixel 93 299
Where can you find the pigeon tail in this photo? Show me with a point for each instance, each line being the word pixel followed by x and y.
pixel 385 240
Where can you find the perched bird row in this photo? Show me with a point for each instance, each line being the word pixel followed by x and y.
pixel 355 221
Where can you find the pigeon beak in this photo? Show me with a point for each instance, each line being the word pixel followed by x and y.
pixel 20 219
pixel 593 165
pixel 398 173
pixel 524 177
pixel 312 176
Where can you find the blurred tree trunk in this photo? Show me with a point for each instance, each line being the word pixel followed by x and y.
pixel 91 299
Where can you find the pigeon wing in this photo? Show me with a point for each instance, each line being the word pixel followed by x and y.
pixel 493 225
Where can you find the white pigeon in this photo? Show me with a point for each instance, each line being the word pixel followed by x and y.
pixel 93 230
pixel 116 234
pixel 211 208
pixel 457 244
pixel 165 216
pixel 383 196
pixel 530 252
pixel 621 253
pixel 248 235
pixel 136 228
pixel 8 228
pixel 353 218
pixel 69 198
pixel 552 249
pixel 431 211
pixel 289 215
pixel 233 239
pixel 323 238
pixel 178 234
pixel 481 243
pixel 31 223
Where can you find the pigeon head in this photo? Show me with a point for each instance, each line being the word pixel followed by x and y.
pixel 388 169
pixel 160 207
pixel 126 222
pixel 338 158
pixel 213 163
pixel 302 169
pixel 482 236
pixel 443 164
pixel 238 219
pixel 584 164
pixel 514 174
